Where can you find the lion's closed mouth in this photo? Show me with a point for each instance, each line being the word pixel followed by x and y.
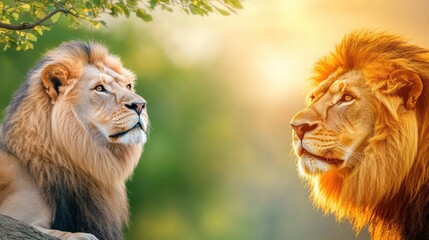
pixel 334 161
pixel 117 135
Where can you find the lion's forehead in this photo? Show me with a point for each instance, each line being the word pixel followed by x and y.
pixel 116 76
pixel 105 75
pixel 333 84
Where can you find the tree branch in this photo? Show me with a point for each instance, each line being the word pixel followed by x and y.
pixel 25 26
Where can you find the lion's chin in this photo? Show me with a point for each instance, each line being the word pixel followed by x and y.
pixel 133 136
pixel 311 165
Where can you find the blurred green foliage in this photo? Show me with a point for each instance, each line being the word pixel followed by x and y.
pixel 23 21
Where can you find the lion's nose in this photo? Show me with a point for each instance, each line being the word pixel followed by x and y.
pixel 301 129
pixel 136 106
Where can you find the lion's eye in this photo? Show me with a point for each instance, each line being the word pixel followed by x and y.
pixel 346 98
pixel 129 86
pixel 100 88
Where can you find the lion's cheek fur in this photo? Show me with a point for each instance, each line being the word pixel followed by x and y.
pixel 388 159
pixel 112 162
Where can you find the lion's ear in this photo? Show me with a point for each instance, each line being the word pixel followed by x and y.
pixel 407 84
pixel 53 77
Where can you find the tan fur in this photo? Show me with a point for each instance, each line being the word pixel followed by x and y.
pixel 383 181
pixel 58 131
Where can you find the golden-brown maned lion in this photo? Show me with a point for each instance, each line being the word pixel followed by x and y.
pixel 363 139
pixel 71 137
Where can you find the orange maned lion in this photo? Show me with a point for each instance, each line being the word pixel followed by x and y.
pixel 363 139
pixel 71 137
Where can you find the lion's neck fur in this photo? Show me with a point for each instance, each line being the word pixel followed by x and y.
pixel 83 181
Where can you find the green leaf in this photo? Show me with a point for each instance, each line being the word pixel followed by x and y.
pixel 102 23
pixel 10 10
pixel 55 17
pixel 15 16
pixel 97 3
pixel 31 37
pixel 95 24
pixel 46 28
pixel 25 7
pixel 232 10
pixel 141 13
pixel 234 3
pixel 50 8
pixel 206 2
pixel 193 9
pixel 197 11
pixel 39 30
pixel 153 4
pixel 38 4
pixel 116 10
pixel 124 8
pixel 132 3
pixel 73 11
pixel 30 45
pixel 39 14
pixel 222 11
pixel 166 8
pixel 89 5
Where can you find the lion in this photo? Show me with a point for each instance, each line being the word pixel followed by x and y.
pixel 72 135
pixel 362 141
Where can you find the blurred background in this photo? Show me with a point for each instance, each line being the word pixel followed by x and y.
pixel 221 93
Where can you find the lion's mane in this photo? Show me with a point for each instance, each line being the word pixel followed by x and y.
pixel 82 179
pixel 389 189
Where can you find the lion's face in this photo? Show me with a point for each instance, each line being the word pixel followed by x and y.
pixel 330 134
pixel 362 138
pixel 109 107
